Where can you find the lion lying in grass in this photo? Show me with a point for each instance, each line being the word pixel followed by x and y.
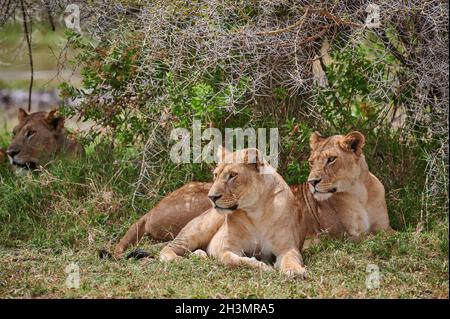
pixel 254 213
pixel 38 137
pixel 341 197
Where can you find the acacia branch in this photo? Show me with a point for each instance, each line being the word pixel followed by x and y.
pixel 30 55
pixel 299 24
pixel 50 16
pixel 392 49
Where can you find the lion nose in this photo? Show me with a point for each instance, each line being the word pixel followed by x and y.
pixel 12 152
pixel 213 198
pixel 314 181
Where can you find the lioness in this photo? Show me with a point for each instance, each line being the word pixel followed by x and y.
pixel 341 197
pixel 38 137
pixel 347 197
pixel 255 213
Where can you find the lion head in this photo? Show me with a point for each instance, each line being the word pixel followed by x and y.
pixel 336 163
pixel 36 138
pixel 238 179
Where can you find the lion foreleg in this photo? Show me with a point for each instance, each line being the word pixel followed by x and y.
pixel 231 259
pixel 196 234
pixel 290 263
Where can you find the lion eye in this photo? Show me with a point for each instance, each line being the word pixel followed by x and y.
pixel 232 175
pixel 331 159
pixel 30 134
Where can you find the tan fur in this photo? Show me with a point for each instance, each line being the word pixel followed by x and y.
pixel 169 216
pixel 254 214
pixel 38 137
pixel 357 204
pixel 346 189
pixel 2 156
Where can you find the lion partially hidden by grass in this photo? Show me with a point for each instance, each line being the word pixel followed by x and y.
pixel 38 137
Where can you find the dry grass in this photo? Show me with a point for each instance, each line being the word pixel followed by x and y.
pixel 411 266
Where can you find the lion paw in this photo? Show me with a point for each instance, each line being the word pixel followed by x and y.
pixel 295 272
pixel 259 264
pixel 200 253
pixel 167 255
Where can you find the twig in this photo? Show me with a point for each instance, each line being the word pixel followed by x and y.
pixel 30 55
pixel 299 24
pixel 392 49
pixel 49 14
pixel 337 20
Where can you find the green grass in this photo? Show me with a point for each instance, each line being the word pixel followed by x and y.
pixel 23 84
pixel 67 213
pixel 14 54
pixel 47 45
pixel 411 266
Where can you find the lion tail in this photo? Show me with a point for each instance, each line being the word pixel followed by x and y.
pixel 133 235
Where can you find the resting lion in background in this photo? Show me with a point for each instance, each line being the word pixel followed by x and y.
pixel 341 197
pixel 38 138
pixel 254 214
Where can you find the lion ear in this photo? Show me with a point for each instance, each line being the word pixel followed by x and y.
pixel 22 114
pixel 353 142
pixel 55 120
pixel 315 139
